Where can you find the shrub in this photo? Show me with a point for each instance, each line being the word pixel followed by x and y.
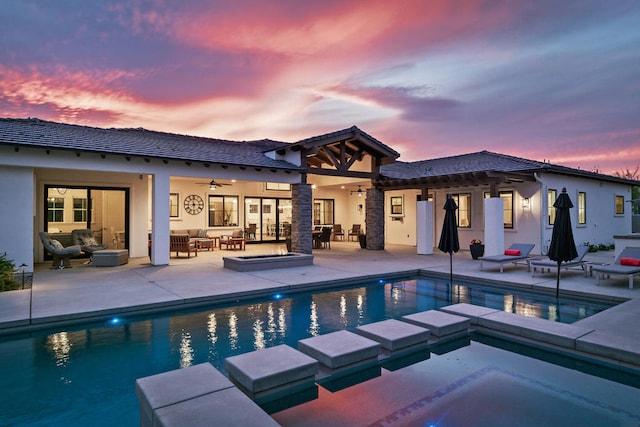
pixel 7 274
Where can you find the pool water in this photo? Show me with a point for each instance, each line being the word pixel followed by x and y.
pixel 85 375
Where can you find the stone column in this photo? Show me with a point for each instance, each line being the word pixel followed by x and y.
pixel 375 219
pixel 302 216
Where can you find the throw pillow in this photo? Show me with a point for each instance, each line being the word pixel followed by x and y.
pixel 202 234
pixel 512 252
pixel 630 261
pixel 56 244
pixel 90 241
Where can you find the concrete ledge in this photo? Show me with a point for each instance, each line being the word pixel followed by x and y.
pixel 394 335
pixel 340 349
pixel 267 262
pixel 439 323
pixel 473 312
pixel 612 347
pixel 229 407
pixel 272 373
pixel 555 333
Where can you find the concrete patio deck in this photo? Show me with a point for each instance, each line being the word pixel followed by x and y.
pixel 87 293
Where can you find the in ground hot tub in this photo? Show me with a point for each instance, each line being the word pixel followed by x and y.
pixel 267 262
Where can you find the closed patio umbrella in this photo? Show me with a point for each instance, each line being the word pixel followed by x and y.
pixel 449 237
pixel 562 247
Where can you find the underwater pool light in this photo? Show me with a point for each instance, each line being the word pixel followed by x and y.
pixel 278 296
pixel 114 321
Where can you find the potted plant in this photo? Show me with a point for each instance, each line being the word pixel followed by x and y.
pixel 362 238
pixel 477 248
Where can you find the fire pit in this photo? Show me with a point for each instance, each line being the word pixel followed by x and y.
pixel 267 262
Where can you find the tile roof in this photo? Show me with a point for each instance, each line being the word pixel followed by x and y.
pixel 483 161
pixel 139 142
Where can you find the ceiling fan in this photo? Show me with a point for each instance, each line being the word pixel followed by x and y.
pixel 359 191
pixel 213 184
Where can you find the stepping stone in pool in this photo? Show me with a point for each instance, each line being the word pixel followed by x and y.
pixel 440 324
pixel 277 374
pixel 343 354
pixel 396 338
pixel 403 344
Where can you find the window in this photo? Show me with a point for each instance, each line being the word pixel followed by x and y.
pixel 619 205
pixel 323 211
pixel 79 210
pixel 173 205
pixel 396 205
pixel 582 207
pixel 552 195
pixel 464 209
pixel 507 200
pixel 278 186
pixel 55 209
pixel 223 211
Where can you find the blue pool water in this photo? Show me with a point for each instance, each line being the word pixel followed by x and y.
pixel 86 375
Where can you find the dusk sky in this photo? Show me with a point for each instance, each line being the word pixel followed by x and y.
pixel 555 80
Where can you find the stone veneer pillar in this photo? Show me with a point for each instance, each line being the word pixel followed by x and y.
pixel 375 219
pixel 301 218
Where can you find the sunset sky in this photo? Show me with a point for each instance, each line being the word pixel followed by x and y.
pixel 555 80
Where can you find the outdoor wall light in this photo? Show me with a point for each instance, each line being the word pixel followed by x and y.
pixel 525 203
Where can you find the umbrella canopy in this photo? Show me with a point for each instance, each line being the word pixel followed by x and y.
pixel 449 237
pixel 562 247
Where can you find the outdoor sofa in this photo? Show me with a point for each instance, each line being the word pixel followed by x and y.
pixel 516 252
pixel 627 263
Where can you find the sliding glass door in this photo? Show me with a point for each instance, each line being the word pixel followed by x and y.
pixel 267 219
pixel 105 211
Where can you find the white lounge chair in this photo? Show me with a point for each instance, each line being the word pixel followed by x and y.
pixel 549 264
pixel 617 268
pixel 524 249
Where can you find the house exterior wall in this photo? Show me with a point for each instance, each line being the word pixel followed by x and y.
pixel 602 222
pixel 17 237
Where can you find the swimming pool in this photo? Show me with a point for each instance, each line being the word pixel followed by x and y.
pixel 85 375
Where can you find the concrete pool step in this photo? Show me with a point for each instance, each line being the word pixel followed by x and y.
pixel 194 396
pixel 273 374
pixel 396 338
pixel 341 354
pixel 439 323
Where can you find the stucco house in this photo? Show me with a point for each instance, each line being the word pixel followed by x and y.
pixel 129 184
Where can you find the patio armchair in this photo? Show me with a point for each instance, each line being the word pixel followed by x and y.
pixel 181 243
pixel 355 231
pixel 87 242
pixel 61 255
pixel 236 238
pixel 250 231
pixel 323 238
pixel 338 231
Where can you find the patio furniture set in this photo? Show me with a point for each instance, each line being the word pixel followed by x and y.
pixel 626 264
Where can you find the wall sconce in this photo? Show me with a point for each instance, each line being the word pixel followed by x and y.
pixel 360 208
pixel 525 203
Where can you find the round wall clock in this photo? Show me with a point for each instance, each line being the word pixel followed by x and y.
pixel 193 204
